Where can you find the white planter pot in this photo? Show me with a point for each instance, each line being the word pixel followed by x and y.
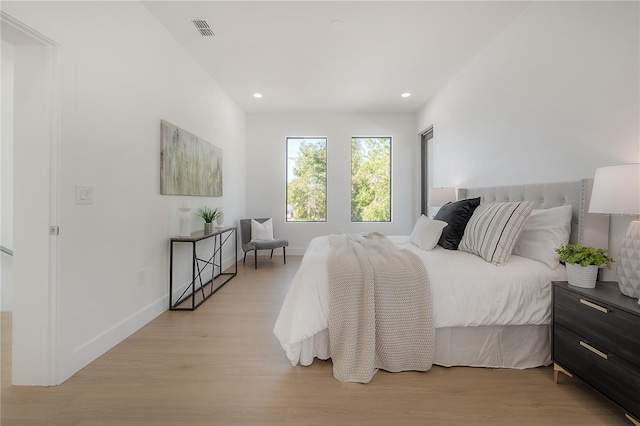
pixel 208 227
pixel 582 276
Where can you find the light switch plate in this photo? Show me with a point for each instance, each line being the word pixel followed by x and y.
pixel 84 194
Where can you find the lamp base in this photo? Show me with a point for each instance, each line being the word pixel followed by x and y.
pixel 629 264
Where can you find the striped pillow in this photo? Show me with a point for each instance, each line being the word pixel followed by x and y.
pixel 493 230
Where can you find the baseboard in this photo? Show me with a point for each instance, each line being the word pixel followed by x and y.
pixel 296 251
pixel 83 355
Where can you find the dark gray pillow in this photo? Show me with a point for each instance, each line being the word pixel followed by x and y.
pixel 456 214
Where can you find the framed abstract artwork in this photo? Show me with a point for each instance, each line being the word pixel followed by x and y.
pixel 189 165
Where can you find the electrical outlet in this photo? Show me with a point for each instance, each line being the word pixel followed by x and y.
pixel 141 277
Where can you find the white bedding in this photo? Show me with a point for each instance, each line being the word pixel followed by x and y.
pixel 467 292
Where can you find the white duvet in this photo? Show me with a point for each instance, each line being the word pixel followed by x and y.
pixel 467 291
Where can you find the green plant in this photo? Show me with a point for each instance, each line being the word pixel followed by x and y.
pixel 576 254
pixel 208 214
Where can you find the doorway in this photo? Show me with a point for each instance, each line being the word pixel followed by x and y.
pixel 29 191
pixel 425 169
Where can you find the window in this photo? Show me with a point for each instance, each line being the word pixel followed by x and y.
pixel 306 179
pixel 370 179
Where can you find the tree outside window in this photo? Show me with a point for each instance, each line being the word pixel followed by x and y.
pixel 306 179
pixel 371 179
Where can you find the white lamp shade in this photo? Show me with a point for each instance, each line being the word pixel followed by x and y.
pixel 438 197
pixel 616 190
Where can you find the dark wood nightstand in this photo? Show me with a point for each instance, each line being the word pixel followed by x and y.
pixel 596 337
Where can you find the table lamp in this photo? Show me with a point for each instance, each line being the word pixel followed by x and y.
pixel 616 190
pixel 438 197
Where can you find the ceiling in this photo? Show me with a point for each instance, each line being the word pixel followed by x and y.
pixel 301 60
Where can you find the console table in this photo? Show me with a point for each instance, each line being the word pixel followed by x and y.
pixel 220 237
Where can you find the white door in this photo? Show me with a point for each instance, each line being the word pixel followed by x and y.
pixel 34 203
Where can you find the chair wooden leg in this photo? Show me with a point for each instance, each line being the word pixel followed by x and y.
pixel 271 257
pixel 255 258
pixel 245 258
pixel 284 254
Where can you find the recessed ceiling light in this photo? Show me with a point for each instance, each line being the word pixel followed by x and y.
pixel 257 95
pixel 336 24
pixel 406 94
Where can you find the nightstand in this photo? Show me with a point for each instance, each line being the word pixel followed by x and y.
pixel 596 337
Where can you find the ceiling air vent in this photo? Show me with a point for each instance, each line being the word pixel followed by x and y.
pixel 203 27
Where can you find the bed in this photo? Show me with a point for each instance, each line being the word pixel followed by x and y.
pixel 485 315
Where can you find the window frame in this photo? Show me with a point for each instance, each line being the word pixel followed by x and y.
pixel 390 138
pixel 326 196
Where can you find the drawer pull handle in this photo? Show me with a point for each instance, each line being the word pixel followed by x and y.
pixel 594 350
pixel 594 306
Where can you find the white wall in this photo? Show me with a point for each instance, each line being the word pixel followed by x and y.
pixel 552 98
pixel 121 73
pixel 266 170
pixel 6 179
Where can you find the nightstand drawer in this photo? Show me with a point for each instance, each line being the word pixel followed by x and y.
pixel 599 322
pixel 614 377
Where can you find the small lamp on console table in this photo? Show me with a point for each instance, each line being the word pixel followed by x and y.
pixel 616 190
pixel 438 197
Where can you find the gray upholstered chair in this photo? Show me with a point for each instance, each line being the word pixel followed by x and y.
pixel 248 245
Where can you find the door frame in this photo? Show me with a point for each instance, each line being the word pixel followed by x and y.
pixel 12 27
pixel 425 136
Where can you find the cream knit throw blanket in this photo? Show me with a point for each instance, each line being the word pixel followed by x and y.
pixel 380 308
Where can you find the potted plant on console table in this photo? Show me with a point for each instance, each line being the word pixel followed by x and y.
pixel 582 263
pixel 209 215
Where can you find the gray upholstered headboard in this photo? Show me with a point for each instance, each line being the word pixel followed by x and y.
pixel 586 228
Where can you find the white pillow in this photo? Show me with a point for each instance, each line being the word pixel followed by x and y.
pixel 426 232
pixel 494 228
pixel 261 231
pixel 544 231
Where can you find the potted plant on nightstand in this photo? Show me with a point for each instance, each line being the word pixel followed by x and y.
pixel 209 215
pixel 582 263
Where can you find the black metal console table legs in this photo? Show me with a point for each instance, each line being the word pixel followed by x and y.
pixel 199 286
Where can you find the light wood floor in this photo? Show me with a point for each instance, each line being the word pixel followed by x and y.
pixel 221 365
